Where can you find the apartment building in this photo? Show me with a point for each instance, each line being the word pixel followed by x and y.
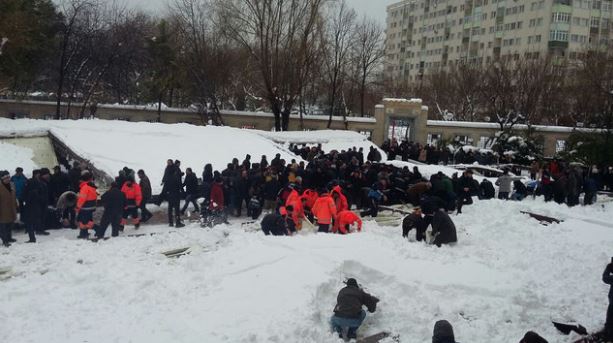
pixel 425 35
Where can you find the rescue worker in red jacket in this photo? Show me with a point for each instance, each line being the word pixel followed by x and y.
pixel 297 215
pixel 134 197
pixel 86 204
pixel 340 200
pixel 310 196
pixel 325 210
pixel 344 221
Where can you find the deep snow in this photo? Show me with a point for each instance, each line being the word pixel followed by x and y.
pixel 111 145
pixel 507 275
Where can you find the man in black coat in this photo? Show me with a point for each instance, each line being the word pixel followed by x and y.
pixel 114 201
pixel 172 188
pixel 145 188
pixel 466 188
pixel 192 190
pixel 486 190
pixel 607 277
pixel 443 229
pixel 415 221
pixel 348 312
pixel 36 200
pixel 275 224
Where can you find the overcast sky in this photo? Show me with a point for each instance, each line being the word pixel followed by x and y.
pixel 371 8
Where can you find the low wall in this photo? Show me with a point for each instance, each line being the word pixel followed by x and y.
pixel 377 128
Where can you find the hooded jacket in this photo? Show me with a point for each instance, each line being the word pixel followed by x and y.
pixel 324 209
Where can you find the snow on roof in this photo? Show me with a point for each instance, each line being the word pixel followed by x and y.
pixel 413 100
pixel 485 125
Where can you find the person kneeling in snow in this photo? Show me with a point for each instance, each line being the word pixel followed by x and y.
pixel 348 312
pixel 415 221
pixel 443 228
pixel 345 220
pixel 276 223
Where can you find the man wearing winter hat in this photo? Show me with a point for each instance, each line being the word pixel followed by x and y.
pixel 348 312
pixel 443 332
pixel 8 208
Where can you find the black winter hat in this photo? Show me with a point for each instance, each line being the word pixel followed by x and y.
pixel 4 174
pixel 44 171
pixel 351 282
pixel 443 332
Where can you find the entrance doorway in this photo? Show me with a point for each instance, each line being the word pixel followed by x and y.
pixel 400 129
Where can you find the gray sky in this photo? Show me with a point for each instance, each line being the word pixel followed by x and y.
pixel 371 8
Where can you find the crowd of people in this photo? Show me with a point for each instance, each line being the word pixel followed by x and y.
pixel 434 154
pixel 324 190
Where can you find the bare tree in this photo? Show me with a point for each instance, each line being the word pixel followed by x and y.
pixel 368 52
pixel 70 44
pixel 337 42
pixel 275 34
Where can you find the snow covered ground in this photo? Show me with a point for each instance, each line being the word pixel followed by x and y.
pixel 112 145
pixel 329 139
pixel 507 275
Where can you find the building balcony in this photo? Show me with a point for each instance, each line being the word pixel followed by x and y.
pixel 558 44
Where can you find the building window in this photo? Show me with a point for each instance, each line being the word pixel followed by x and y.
pixel 558 36
pixel 559 17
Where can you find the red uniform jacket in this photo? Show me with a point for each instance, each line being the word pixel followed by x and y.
pixel 87 197
pixel 345 218
pixel 341 201
pixel 133 194
pixel 324 209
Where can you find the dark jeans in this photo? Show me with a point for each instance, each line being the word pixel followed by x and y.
pixel 144 212
pixel 113 219
pixel 193 199
pixel 503 195
pixel 325 228
pixel 464 199
pixel 5 232
pixel 237 203
pixel 69 213
pixel 589 198
pixel 347 327
pixel 173 211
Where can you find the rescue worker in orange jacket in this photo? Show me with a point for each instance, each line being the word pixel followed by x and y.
pixel 134 197
pixel 293 195
pixel 344 221
pixel 86 204
pixel 340 200
pixel 297 216
pixel 310 197
pixel 325 210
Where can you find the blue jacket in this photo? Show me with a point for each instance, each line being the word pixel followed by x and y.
pixel 20 184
